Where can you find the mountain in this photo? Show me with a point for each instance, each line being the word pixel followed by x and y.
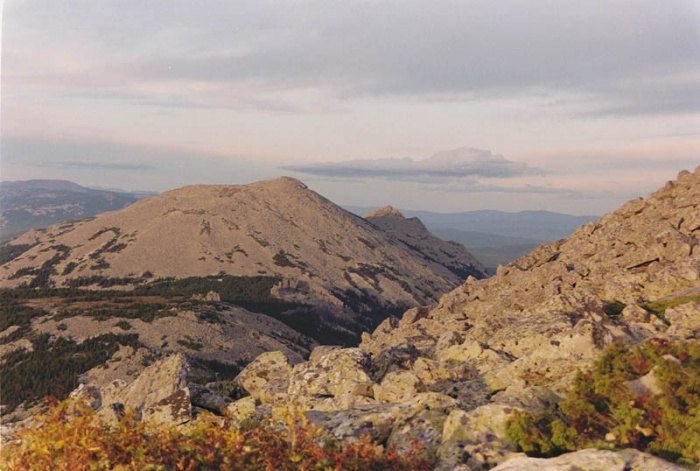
pixel 412 233
pixel 41 203
pixel 346 268
pixel 450 375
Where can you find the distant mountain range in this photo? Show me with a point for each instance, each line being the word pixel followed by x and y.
pixel 40 203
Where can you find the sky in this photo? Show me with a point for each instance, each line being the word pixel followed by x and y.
pixel 449 106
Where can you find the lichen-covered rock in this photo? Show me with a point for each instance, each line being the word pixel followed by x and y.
pixel 396 358
pixel 476 437
pixel 267 377
pixel 398 386
pixel 685 321
pixel 375 420
pixel 333 373
pixel 242 409
pixel 424 428
pixel 435 374
pixel 590 460
pixel 159 394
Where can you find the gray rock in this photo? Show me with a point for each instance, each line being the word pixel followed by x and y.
pixel 590 460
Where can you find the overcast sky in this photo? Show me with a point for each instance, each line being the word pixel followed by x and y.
pixel 570 106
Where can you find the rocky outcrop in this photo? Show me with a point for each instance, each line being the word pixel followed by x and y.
pixel 548 313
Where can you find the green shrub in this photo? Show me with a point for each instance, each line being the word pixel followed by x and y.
pixel 601 410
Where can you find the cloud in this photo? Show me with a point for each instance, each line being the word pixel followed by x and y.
pixel 366 49
pixel 450 164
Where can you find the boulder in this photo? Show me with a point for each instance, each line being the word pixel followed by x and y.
pixel 398 386
pixel 159 394
pixel 590 460
pixel 476 438
pixel 332 374
pixel 208 399
pixel 267 377
pixel 685 321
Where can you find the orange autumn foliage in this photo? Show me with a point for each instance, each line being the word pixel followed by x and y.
pixel 72 437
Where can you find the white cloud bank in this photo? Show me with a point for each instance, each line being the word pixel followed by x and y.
pixel 449 164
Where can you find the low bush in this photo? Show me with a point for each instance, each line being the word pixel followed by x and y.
pixel 71 437
pixel 602 411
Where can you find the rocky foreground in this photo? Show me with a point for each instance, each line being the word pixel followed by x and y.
pixel 450 375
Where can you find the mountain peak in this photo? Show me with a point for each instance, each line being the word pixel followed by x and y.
pixel 385 211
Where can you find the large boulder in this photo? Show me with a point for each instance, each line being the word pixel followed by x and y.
pixel 159 394
pixel 590 460
pixel 333 373
pixel 267 377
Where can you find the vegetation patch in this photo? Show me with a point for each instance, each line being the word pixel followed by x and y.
pixel 613 308
pixel 260 240
pixel 115 230
pixel 192 344
pixel 104 281
pixel 43 273
pixel 367 243
pixel 205 227
pixel 281 259
pixel 9 252
pixel 17 314
pixel 601 410
pixel 124 325
pixel 53 366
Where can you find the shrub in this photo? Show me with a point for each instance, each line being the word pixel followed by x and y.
pixel 601 410
pixel 71 437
